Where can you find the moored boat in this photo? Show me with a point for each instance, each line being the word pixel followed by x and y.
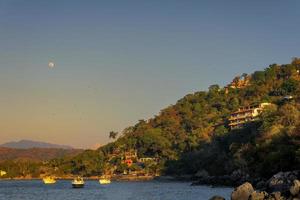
pixel 104 181
pixel 2 173
pixel 78 182
pixel 49 180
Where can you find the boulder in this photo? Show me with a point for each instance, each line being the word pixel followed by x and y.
pixel 242 192
pixel 295 188
pixel 258 195
pixel 282 181
pixel 262 195
pixel 217 198
pixel 275 196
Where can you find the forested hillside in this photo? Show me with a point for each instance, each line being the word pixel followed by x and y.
pixel 194 134
pixel 36 154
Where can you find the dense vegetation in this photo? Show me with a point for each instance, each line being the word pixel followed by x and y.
pixel 193 134
pixel 36 154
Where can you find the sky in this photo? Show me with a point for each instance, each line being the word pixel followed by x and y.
pixel 120 61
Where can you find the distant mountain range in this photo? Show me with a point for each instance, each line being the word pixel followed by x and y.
pixel 36 154
pixel 27 144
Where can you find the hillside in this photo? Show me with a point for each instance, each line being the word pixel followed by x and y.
pixel 197 134
pixel 36 154
pixel 194 134
pixel 26 144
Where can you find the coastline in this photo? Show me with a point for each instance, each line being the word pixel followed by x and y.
pixel 125 178
pixel 113 178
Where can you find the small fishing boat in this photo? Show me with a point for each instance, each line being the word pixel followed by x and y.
pixel 104 181
pixel 2 173
pixel 49 180
pixel 78 182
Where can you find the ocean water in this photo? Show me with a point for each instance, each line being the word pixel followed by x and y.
pixel 151 190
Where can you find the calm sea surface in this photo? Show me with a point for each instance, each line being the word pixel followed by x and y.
pixel 153 190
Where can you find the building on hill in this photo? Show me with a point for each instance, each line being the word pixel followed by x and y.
pixel 246 114
pixel 288 97
pixel 147 159
pixel 132 154
pixel 128 162
pixel 295 75
pixel 129 157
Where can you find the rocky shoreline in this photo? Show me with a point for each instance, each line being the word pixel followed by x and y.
pixel 281 186
pixel 238 177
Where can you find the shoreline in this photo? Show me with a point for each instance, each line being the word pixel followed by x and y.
pixel 128 178
pixel 120 178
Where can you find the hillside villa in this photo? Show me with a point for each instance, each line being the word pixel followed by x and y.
pixel 246 114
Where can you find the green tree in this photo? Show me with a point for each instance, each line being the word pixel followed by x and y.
pixel 113 134
pixel 290 86
pixel 214 88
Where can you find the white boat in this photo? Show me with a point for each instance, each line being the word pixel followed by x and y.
pixel 2 173
pixel 49 180
pixel 104 181
pixel 78 182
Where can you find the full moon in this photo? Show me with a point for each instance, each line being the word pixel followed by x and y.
pixel 51 64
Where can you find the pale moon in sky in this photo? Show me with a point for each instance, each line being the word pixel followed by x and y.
pixel 51 64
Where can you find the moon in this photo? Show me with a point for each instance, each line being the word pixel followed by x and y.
pixel 51 65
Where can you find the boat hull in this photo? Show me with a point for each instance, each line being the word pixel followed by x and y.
pixel 49 180
pixel 104 181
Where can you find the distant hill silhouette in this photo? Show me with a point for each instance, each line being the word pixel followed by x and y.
pixel 27 144
pixel 36 154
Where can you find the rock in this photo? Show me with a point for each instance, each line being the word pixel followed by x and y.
pixel 295 188
pixel 202 174
pixel 262 195
pixel 242 192
pixel 275 196
pixel 217 198
pixel 282 181
pixel 258 195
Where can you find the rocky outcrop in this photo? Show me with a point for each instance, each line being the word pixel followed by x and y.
pixel 242 192
pixel 295 188
pixel 258 195
pixel 246 192
pixel 279 182
pixel 237 177
pixel 282 181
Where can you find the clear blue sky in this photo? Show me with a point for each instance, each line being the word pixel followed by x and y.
pixel 121 61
